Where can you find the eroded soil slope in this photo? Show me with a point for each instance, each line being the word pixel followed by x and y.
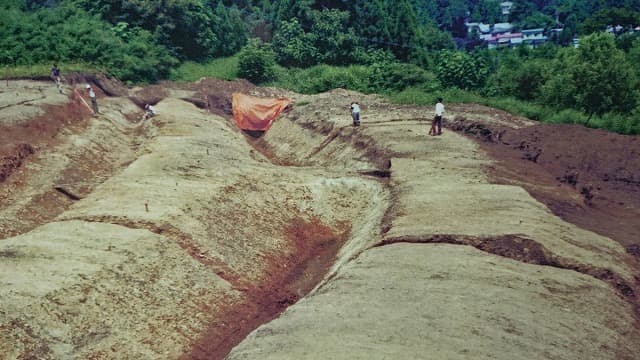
pixel 464 267
pixel 586 176
pixel 179 236
pixel 165 239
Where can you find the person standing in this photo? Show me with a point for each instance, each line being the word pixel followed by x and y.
pixel 94 101
pixel 436 125
pixel 55 73
pixel 355 113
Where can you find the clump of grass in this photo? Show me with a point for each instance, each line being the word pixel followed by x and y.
pixel 222 68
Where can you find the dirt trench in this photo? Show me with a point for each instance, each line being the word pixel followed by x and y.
pixel 317 246
pixel 178 237
pixel 72 163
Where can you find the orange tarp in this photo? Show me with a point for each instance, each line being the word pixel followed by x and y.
pixel 254 113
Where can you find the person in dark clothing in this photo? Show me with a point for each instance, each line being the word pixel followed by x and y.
pixel 55 74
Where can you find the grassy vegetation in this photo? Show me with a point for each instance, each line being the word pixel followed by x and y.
pixel 222 68
pixel 43 70
pixel 321 78
pixel 614 122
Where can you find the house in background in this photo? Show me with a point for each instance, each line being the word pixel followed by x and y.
pixel 534 37
pixel 501 35
pixel 501 28
pixel 479 28
pixel 505 40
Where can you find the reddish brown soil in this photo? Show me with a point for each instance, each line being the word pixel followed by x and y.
pixel 18 142
pixel 151 94
pixel 215 95
pixel 588 177
pixel 312 250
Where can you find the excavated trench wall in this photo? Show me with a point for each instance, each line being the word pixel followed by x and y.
pixel 174 238
pixel 462 268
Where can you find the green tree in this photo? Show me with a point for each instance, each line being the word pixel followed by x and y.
pixel 537 20
pixel 184 26
pixel 603 77
pixel 334 40
pixel 231 30
pixel 256 61
pixel 490 11
pixel 520 10
pixel 596 78
pixel 293 46
pixel 610 16
pixel 529 79
pixel 461 70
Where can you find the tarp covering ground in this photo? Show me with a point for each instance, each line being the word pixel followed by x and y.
pixel 254 113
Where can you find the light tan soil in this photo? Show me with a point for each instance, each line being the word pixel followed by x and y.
pixel 178 237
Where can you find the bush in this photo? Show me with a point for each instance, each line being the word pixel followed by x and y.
pixel 567 116
pixel 619 123
pixel 256 62
pixel 393 76
pixel 461 70
pixel 523 108
pixel 323 78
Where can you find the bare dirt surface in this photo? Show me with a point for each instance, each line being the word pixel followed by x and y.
pixel 184 238
pixel 586 176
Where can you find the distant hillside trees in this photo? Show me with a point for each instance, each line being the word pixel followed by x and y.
pixel 68 34
pixel 190 29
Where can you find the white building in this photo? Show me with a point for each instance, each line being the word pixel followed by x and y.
pixel 534 37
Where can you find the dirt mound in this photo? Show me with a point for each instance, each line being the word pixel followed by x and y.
pixel 586 176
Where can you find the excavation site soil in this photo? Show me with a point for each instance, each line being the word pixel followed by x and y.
pixel 183 237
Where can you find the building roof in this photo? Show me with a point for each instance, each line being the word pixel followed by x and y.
pixel 502 27
pixel 529 31
pixel 483 28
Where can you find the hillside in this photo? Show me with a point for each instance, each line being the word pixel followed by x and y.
pixel 183 237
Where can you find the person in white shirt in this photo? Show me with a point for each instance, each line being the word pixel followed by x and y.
pixel 436 125
pixel 149 112
pixel 355 113
pixel 94 102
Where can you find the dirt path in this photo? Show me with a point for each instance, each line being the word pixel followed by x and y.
pixel 182 238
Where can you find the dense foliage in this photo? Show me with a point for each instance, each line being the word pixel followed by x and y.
pixel 256 62
pixel 381 46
